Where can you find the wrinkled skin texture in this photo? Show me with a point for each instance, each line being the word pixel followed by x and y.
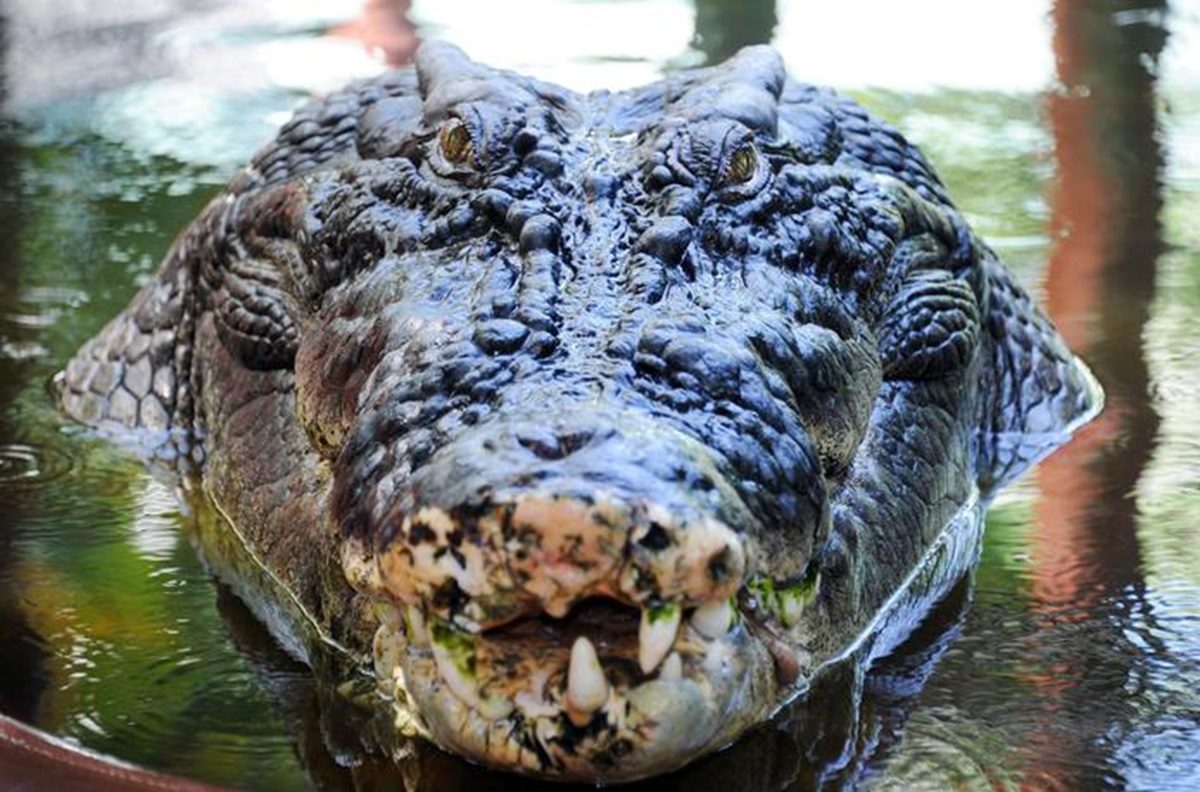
pixel 598 422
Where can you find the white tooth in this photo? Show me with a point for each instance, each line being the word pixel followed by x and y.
pixel 713 619
pixel 672 668
pixel 656 635
pixel 587 689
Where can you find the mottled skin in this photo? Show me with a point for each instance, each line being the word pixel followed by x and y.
pixel 697 371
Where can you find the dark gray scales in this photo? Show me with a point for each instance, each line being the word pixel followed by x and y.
pixel 718 350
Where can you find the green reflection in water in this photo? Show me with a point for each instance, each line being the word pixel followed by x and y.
pixel 136 659
pixel 138 649
pixel 991 150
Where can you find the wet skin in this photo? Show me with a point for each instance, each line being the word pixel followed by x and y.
pixel 598 423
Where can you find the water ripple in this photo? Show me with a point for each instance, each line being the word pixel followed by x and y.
pixel 23 465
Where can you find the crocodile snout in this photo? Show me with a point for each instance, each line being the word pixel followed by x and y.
pixel 526 516
pixel 573 581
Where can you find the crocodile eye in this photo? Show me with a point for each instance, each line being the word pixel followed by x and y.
pixel 457 145
pixel 742 165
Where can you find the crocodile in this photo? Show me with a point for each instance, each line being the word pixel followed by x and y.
pixel 594 425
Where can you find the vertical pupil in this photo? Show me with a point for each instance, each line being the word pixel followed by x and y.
pixel 456 143
pixel 743 164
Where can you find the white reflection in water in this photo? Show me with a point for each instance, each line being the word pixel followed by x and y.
pixel 155 530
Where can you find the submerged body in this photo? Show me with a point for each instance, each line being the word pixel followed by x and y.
pixel 598 423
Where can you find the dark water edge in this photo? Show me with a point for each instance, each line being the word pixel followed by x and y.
pixel 1070 660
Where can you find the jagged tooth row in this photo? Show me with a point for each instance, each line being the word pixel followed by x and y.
pixel 587 687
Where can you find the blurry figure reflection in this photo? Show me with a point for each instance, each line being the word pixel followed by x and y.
pixel 385 29
pixel 725 26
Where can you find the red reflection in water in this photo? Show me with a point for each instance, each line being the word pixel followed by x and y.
pixel 385 29
pixel 1100 282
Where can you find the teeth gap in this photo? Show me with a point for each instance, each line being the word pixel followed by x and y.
pixel 594 614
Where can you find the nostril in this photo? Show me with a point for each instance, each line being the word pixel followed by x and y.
pixel 550 445
pixel 543 447
pixel 718 566
pixel 656 538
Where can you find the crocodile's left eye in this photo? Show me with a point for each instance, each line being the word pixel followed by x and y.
pixel 457 145
pixel 743 173
pixel 742 165
pixel 458 149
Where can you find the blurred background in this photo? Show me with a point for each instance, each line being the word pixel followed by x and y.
pixel 1068 131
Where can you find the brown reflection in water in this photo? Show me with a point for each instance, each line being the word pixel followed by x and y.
pixel 385 30
pixel 1100 282
pixel 22 672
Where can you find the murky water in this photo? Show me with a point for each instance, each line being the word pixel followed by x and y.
pixel 1068 131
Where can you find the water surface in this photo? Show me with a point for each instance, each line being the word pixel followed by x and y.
pixel 1069 132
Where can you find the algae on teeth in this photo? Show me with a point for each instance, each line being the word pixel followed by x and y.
pixel 656 635
pixel 786 603
pixel 454 653
pixel 454 646
pixel 793 601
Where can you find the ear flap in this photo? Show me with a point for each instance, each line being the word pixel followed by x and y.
pixel 930 327
pixel 258 280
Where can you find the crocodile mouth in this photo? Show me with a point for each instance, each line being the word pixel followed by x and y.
pixel 602 615
pixel 608 692
pixel 592 638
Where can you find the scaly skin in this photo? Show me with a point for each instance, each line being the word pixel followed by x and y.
pixel 600 421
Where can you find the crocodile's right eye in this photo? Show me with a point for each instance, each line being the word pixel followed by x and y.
pixel 456 143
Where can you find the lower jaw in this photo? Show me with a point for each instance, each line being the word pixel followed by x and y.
pixel 646 727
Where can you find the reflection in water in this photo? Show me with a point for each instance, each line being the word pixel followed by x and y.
pixel 385 29
pixel 109 632
pixel 22 676
pixel 725 26
pixel 1087 570
pixel 831 737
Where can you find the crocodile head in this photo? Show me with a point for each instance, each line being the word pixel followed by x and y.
pixel 592 403
pixel 630 408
